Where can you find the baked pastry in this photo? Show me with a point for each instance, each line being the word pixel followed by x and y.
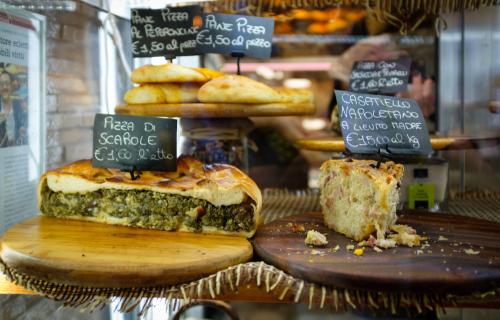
pixel 357 198
pixel 237 89
pixel 163 93
pixel 289 95
pixel 218 198
pixel 315 239
pixel 172 73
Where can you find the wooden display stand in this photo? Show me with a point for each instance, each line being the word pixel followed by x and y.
pixel 221 110
pixel 336 144
pixel 97 255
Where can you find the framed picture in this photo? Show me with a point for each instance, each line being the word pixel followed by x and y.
pixel 22 113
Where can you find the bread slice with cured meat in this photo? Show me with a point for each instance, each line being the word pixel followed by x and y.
pixel 170 72
pixel 217 198
pixel 163 93
pixel 358 198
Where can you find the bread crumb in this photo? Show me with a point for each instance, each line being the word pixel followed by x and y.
pixel 317 253
pixel 377 249
pixel 349 247
pixel 358 252
pixel 441 238
pixel 471 251
pixel 335 249
pixel 386 243
pixel 299 228
pixel 419 252
pixel 315 239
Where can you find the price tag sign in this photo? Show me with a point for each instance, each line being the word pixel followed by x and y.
pixel 373 122
pixel 388 76
pixel 228 33
pixel 134 143
pixel 166 32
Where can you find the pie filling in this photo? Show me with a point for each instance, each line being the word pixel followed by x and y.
pixel 149 209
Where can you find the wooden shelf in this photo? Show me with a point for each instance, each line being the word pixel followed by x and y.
pixel 214 110
pixel 336 144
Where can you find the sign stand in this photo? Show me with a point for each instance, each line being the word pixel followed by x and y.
pixel 132 171
pixel 170 58
pixel 238 55
pixel 381 154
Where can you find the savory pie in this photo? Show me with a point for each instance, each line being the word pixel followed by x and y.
pixel 217 198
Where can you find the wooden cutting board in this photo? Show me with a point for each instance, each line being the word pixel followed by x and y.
pixel 443 267
pixel 213 110
pixel 336 144
pixel 101 255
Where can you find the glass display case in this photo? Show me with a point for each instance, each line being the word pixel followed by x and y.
pixel 271 213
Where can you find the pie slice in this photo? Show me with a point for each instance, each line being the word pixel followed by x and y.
pixel 217 199
pixel 358 198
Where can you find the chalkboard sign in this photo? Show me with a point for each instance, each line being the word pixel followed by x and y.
pixel 373 122
pixel 166 32
pixel 388 76
pixel 228 33
pixel 134 143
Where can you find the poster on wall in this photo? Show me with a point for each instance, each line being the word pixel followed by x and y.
pixel 21 113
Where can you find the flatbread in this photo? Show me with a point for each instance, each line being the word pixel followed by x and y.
pixel 163 93
pixel 290 95
pixel 218 184
pixel 172 73
pixel 237 89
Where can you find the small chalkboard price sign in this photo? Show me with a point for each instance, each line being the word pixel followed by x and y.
pixel 371 123
pixel 229 34
pixel 134 143
pixel 166 32
pixel 387 76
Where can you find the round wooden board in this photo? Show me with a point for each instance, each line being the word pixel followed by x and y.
pixel 336 144
pixel 212 110
pixel 101 255
pixel 443 267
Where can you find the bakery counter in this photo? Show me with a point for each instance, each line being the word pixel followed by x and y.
pixel 265 281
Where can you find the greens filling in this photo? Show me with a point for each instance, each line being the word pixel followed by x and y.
pixel 149 209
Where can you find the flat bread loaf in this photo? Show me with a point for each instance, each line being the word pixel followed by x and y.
pixel 289 95
pixel 163 93
pixel 237 89
pixel 172 73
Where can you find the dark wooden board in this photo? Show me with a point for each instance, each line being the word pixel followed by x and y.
pixel 443 267
pixel 102 255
